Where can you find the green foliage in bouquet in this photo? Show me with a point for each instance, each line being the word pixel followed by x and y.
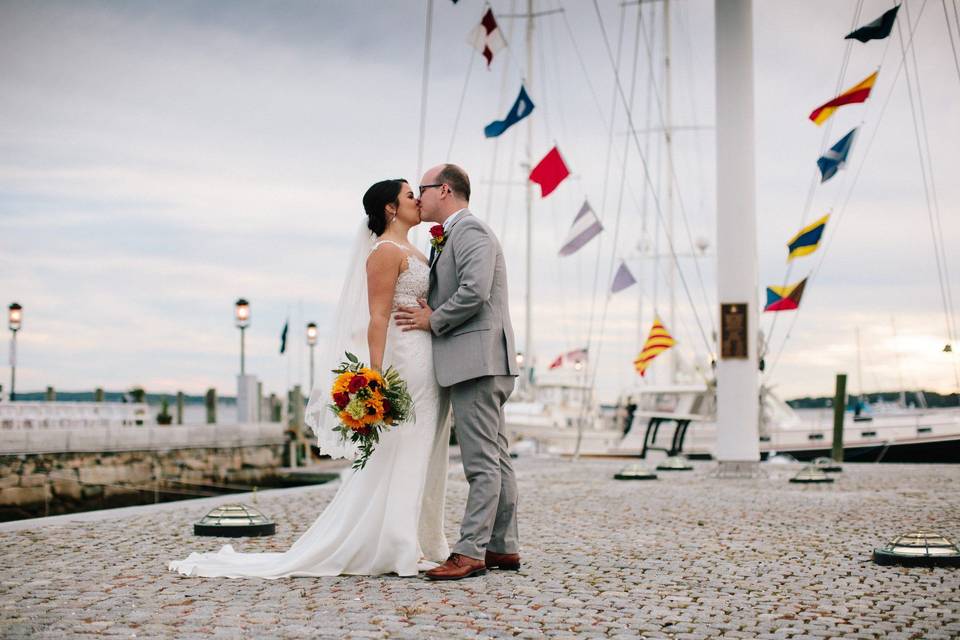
pixel 366 402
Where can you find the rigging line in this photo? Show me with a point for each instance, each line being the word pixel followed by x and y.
pixel 936 230
pixel 919 124
pixel 463 95
pixel 953 46
pixel 424 85
pixel 565 315
pixel 838 216
pixel 697 133
pixel 646 172
pixel 938 233
pixel 673 180
pixel 646 149
pixel 595 362
pixel 811 190
pixel 587 75
pixel 603 202
pixel 496 141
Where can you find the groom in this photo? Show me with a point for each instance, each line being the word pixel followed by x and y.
pixel 473 356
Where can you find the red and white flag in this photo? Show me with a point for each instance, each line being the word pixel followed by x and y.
pixel 577 356
pixel 487 37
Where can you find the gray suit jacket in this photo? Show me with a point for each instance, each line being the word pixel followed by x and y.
pixel 473 336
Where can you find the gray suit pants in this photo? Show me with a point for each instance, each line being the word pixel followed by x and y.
pixel 490 519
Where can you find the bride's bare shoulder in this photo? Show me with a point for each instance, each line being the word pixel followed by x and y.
pixel 386 257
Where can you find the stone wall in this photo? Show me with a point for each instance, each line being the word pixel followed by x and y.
pixel 55 481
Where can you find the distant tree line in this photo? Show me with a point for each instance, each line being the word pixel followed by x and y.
pixel 934 400
pixel 118 396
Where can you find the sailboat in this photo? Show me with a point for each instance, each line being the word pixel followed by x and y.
pixel 557 411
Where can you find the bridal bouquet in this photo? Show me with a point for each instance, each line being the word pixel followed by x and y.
pixel 366 402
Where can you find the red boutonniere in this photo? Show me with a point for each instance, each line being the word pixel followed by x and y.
pixel 437 237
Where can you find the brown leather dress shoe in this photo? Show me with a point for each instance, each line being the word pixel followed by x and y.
pixel 456 567
pixel 508 561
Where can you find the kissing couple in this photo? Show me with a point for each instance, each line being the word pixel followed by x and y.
pixel 444 325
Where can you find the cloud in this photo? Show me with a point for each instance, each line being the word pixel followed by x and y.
pixel 157 161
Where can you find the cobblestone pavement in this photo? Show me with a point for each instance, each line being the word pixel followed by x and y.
pixel 687 556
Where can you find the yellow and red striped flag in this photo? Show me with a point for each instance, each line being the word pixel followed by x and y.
pixel 853 95
pixel 657 342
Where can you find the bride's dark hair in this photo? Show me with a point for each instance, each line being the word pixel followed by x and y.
pixel 375 202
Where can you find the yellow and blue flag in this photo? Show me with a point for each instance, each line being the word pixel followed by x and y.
pixel 807 239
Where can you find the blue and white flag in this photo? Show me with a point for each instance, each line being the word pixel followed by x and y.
pixel 520 110
pixel 835 159
pixel 622 279
pixel 585 226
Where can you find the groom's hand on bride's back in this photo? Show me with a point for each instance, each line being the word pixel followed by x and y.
pixel 412 318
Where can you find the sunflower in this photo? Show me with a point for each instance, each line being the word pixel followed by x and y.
pixel 348 420
pixel 372 375
pixel 342 383
pixel 374 409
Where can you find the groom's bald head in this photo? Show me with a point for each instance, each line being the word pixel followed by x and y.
pixel 444 190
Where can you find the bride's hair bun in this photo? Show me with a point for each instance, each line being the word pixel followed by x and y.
pixel 375 202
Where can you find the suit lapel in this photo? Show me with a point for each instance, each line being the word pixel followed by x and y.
pixel 436 255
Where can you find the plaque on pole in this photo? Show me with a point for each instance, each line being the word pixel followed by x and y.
pixel 733 330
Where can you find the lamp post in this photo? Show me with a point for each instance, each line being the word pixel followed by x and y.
pixel 242 321
pixel 311 342
pixel 16 319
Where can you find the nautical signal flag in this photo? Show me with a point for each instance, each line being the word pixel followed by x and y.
pixel 549 172
pixel 876 30
pixel 855 94
pixel 585 226
pixel 283 336
pixel 836 158
pixel 807 239
pixel 785 298
pixel 578 356
pixel 487 37
pixel 522 107
pixel 622 279
pixel 657 342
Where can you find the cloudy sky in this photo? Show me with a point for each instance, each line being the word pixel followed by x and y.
pixel 161 159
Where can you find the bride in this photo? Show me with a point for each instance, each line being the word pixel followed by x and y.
pixel 387 517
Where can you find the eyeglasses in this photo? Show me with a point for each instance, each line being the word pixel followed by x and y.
pixel 424 187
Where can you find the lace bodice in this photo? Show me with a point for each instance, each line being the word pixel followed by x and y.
pixel 413 282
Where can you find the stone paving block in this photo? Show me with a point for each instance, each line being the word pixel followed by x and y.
pixel 601 560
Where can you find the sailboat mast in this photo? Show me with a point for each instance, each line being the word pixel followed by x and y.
pixel 668 133
pixel 528 320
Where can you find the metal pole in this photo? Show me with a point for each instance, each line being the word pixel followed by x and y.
pixel 839 406
pixel 528 320
pixel 242 369
pixel 311 367
pixel 13 366
pixel 668 134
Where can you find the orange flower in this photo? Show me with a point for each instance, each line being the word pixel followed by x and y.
pixel 374 410
pixel 372 375
pixel 342 383
pixel 348 420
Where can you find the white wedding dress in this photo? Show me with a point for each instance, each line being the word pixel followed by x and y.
pixel 387 517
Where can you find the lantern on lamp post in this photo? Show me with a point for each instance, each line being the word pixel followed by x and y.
pixel 242 318
pixel 311 342
pixel 15 320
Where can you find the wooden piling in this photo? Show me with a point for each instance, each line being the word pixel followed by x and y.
pixel 839 406
pixel 179 407
pixel 211 402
